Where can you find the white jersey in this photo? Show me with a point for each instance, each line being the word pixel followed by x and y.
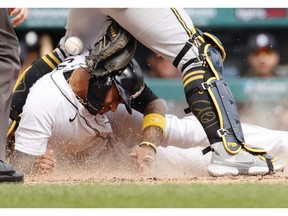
pixel 53 113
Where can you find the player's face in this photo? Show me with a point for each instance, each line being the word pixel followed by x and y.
pixel 112 100
pixel 263 62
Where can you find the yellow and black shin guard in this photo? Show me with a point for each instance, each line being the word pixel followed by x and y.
pixel 210 99
pixel 207 95
pixel 34 72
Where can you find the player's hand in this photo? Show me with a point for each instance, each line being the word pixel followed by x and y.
pixel 45 163
pixel 145 157
pixel 20 15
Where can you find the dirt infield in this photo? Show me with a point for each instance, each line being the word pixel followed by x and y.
pixel 109 170
pixel 93 177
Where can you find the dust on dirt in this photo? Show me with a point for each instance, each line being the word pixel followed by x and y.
pixel 92 176
pixel 116 168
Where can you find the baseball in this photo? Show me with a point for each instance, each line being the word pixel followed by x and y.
pixel 73 45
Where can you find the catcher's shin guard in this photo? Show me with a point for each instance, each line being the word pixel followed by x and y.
pixel 34 72
pixel 211 101
pixel 209 97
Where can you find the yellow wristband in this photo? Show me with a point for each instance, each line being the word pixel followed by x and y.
pixel 154 119
pixel 148 144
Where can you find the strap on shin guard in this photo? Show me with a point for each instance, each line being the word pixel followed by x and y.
pixel 230 129
pixel 262 154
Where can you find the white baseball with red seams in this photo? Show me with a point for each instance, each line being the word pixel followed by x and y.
pixel 74 45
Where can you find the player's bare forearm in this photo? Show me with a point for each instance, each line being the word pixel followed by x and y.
pixel 155 106
pixel 154 134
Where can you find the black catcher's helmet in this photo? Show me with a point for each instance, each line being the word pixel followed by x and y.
pixel 129 82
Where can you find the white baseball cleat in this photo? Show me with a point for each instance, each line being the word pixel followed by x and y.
pixel 244 163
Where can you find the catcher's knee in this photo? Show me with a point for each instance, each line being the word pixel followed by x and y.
pixel 205 68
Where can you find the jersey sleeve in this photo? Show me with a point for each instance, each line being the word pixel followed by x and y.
pixel 147 95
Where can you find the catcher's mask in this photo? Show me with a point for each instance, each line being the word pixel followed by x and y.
pixel 129 82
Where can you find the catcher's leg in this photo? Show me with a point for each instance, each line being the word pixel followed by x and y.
pixel 34 72
pixel 211 101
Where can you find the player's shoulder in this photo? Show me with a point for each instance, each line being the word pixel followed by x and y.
pixel 72 62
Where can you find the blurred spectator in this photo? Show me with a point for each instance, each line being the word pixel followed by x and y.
pixel 263 59
pixel 263 55
pixel 160 68
pixel 33 47
pixel 45 44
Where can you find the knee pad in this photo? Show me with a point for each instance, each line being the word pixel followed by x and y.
pixel 200 41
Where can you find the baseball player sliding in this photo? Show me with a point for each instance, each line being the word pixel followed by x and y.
pixel 66 122
pixel 199 55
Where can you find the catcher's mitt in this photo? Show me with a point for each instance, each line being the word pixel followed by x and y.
pixel 113 52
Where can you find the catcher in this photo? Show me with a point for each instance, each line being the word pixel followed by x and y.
pixel 198 55
pixel 72 120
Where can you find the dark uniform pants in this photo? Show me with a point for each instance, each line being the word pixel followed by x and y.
pixel 9 69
